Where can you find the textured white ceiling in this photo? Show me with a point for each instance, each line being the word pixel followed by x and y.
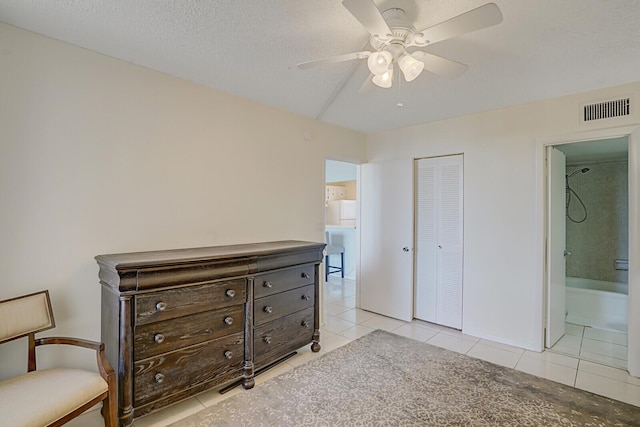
pixel 250 48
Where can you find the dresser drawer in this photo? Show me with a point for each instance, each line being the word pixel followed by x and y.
pixel 216 361
pixel 283 280
pixel 280 337
pixel 279 305
pixel 152 339
pixel 169 304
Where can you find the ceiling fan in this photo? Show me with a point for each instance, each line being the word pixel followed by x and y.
pixel 392 34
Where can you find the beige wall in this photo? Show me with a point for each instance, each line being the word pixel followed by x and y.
pixel 503 203
pixel 99 156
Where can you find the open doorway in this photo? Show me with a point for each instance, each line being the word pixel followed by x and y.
pixel 341 232
pixel 588 250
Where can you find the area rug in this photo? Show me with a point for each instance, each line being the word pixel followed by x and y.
pixel 384 379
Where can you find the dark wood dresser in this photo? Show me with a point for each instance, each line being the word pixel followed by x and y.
pixel 178 322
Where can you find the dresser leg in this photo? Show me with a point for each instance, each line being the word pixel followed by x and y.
pixel 315 346
pixel 248 380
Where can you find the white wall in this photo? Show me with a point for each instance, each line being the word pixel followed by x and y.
pixel 502 211
pixel 99 156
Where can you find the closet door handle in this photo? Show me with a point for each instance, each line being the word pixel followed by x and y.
pixel 405 249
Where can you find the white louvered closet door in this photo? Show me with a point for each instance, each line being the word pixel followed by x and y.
pixel 439 209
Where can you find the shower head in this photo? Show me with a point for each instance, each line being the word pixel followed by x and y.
pixel 583 170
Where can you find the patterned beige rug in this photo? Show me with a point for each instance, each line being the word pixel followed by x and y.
pixel 383 379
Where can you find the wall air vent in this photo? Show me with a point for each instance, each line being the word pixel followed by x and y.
pixel 606 110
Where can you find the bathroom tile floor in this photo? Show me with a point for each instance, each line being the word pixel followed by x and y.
pixel 344 323
pixel 593 345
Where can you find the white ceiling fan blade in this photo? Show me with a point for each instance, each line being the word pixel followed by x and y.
pixel 369 16
pixel 335 59
pixel 473 20
pixel 367 85
pixel 441 66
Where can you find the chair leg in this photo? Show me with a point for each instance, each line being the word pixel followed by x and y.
pixel 110 404
pixel 342 264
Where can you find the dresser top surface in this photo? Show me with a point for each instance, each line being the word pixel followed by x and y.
pixel 164 257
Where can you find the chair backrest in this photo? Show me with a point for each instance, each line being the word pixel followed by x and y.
pixel 25 315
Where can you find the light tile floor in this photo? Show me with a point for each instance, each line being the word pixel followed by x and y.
pixel 344 323
pixel 593 345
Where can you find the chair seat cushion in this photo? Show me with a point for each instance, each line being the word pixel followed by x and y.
pixel 40 397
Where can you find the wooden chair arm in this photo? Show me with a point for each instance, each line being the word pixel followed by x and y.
pixel 93 345
pixel 104 367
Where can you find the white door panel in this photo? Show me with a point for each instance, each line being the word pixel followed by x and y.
pixel 386 237
pixel 426 246
pixel 439 238
pixel 556 245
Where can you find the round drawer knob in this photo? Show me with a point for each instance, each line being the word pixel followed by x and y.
pixel 159 338
pixel 267 285
pixel 306 297
pixel 228 354
pixel 267 339
pixel 268 309
pixel 305 275
pixel 305 324
pixel 161 306
pixel 158 378
pixel 230 293
pixel 228 320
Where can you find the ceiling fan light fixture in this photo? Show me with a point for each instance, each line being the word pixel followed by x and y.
pixel 379 62
pixel 411 67
pixel 384 80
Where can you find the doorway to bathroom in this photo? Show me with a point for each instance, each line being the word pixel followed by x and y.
pixel 341 232
pixel 588 250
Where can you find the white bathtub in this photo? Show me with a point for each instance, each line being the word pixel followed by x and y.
pixel 597 303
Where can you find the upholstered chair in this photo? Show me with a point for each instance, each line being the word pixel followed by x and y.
pixel 50 397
